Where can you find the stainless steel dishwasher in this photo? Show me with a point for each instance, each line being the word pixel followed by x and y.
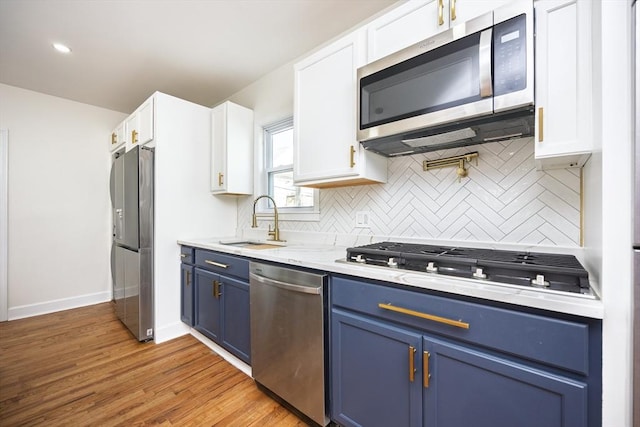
pixel 287 336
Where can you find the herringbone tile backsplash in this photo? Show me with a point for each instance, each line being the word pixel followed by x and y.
pixel 504 199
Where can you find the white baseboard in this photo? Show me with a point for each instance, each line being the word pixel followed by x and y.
pixel 222 352
pixel 37 309
pixel 169 332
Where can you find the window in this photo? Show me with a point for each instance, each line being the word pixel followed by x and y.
pixel 278 140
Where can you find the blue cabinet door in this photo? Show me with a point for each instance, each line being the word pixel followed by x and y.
pixel 236 334
pixel 372 385
pixel 207 304
pixel 470 388
pixel 186 294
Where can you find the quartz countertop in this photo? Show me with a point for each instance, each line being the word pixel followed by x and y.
pixel 325 257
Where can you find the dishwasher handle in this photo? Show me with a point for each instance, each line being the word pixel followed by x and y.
pixel 315 290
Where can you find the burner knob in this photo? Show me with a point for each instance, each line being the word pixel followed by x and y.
pixel 392 263
pixel 539 281
pixel 479 274
pixel 360 259
pixel 431 268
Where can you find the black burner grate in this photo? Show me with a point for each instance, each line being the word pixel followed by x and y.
pixel 559 271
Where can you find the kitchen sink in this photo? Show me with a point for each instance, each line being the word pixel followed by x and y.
pixel 252 244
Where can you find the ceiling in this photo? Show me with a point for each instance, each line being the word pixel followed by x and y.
pixel 124 50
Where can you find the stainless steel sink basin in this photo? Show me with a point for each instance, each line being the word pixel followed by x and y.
pixel 251 244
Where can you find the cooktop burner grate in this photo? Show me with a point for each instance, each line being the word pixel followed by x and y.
pixel 543 270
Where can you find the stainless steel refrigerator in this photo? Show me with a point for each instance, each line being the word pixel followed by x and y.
pixel 132 179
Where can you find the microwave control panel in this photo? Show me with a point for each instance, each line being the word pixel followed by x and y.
pixel 510 56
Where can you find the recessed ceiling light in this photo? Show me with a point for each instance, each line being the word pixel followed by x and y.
pixel 61 48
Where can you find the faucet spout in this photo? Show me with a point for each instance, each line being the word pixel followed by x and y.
pixel 275 233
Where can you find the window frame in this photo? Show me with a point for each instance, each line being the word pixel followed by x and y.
pixel 286 213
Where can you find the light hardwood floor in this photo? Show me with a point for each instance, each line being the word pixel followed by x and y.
pixel 81 367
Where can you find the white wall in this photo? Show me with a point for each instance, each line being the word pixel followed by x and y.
pixel 59 237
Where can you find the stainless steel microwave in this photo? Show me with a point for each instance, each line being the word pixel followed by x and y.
pixel 467 85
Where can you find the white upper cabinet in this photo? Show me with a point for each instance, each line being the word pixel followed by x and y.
pixel 564 114
pixel 326 151
pixel 231 149
pixel 117 137
pixel 401 27
pixel 417 20
pixel 139 125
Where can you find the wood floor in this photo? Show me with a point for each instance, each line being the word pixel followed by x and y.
pixel 82 368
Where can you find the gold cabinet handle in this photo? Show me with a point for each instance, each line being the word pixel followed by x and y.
pixel 540 124
pixel 456 323
pixel 440 12
pixel 425 369
pixel 352 158
pixel 217 264
pixel 453 10
pixel 183 255
pixel 188 277
pixel 412 364
pixel 134 136
pixel 216 289
pixel 114 138
pixel 220 179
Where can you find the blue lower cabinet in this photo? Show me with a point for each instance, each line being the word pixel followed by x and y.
pixel 375 372
pixel 236 336
pixel 222 311
pixel 207 305
pixel 474 364
pixel 470 388
pixel 186 294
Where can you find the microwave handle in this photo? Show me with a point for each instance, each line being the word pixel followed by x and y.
pixel 486 86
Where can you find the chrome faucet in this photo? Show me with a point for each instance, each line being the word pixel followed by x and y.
pixel 275 233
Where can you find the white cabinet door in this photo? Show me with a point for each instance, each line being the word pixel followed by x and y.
pixel 231 149
pixel 460 11
pixel 563 136
pixel 326 152
pixel 401 27
pixel 139 125
pixel 417 20
pixel 117 137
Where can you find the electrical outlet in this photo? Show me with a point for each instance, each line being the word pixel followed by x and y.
pixel 362 219
pixel 149 332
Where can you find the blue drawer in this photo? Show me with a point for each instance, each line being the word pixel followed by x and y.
pixel 222 263
pixel 555 342
pixel 186 254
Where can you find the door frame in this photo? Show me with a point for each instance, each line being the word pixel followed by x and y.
pixel 4 223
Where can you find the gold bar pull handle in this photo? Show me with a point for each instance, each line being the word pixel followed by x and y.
pixel 453 10
pixel 183 255
pixel 540 124
pixel 188 277
pixel 412 363
pixel 216 264
pixel 134 136
pixel 114 138
pixel 456 323
pixel 440 12
pixel 352 156
pixel 425 369
pixel 220 179
pixel 216 289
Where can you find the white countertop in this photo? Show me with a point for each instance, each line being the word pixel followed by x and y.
pixel 323 257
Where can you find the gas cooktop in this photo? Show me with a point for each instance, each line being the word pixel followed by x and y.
pixel 540 270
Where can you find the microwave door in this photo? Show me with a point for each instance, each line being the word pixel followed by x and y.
pixel 447 84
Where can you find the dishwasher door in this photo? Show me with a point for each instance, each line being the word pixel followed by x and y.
pixel 287 336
